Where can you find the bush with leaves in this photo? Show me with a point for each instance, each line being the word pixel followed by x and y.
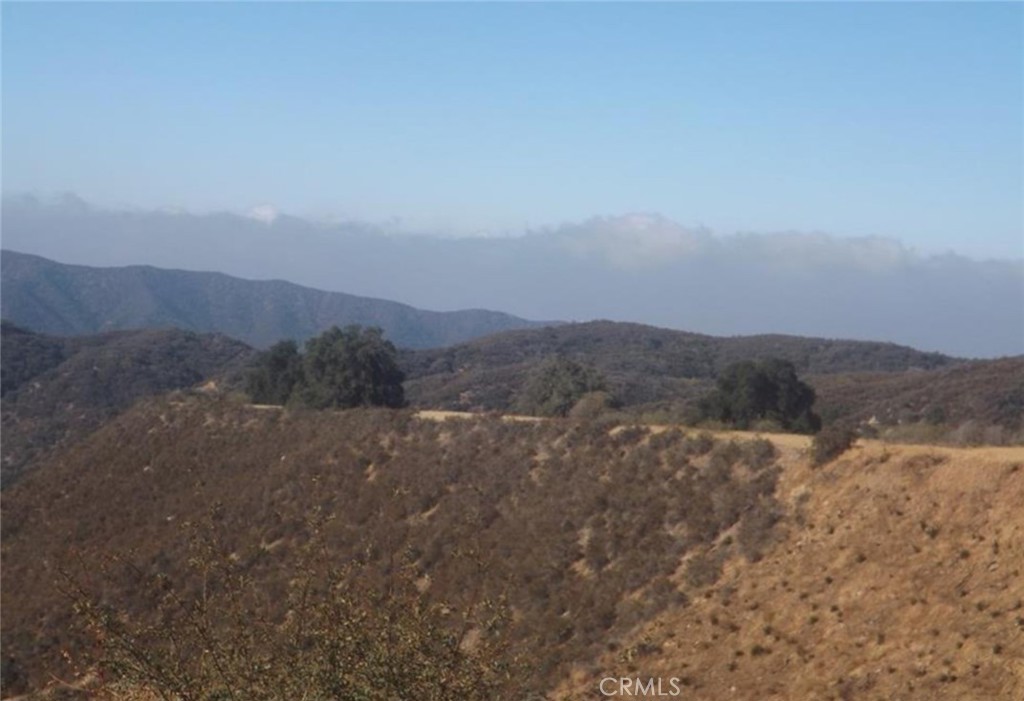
pixel 831 442
pixel 766 390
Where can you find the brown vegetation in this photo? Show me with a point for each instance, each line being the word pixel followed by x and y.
pixel 900 577
pixel 56 390
pixel 733 565
pixel 577 527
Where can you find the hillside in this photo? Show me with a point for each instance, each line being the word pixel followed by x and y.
pixel 57 389
pixel 984 399
pixel 891 573
pixel 54 298
pixel 643 364
pixel 899 577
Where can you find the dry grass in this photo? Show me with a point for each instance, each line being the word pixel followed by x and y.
pixel 900 578
pixel 894 572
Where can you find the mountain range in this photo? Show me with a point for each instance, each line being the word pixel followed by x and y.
pixel 636 267
pixel 718 559
pixel 54 298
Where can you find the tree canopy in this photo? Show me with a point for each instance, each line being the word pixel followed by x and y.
pixel 557 385
pixel 340 368
pixel 770 390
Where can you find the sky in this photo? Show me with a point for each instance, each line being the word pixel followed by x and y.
pixel 895 120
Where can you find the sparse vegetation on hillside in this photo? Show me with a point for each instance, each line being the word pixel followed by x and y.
pixel 581 529
pixel 341 368
pixel 898 576
pixel 333 634
pixel 26 355
pixel 980 402
pixel 57 390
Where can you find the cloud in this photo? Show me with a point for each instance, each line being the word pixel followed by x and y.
pixel 265 213
pixel 819 250
pixel 640 241
pixel 634 267
pixel 633 241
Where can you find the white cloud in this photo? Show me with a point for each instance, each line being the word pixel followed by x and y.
pixel 265 213
pixel 635 240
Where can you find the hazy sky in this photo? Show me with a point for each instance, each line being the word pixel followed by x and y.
pixel 897 120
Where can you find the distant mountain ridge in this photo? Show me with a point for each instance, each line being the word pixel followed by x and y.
pixel 639 268
pixel 56 298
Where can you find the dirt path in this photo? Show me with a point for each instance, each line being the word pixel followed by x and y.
pixel 791 441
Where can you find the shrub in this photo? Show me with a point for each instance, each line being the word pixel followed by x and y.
pixel 756 531
pixel 698 445
pixel 335 636
pixel 759 453
pixel 831 442
pixel 704 569
pixel 592 405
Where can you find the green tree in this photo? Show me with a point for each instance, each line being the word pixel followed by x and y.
pixel 276 374
pixel 557 385
pixel 749 391
pixel 350 367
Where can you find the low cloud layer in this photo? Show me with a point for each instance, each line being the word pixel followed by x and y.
pixel 636 267
pixel 650 241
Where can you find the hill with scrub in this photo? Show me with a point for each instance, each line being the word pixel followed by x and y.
pixel 724 560
pixel 55 390
pixel 660 375
pixel 643 364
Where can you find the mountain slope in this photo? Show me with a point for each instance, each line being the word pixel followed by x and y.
pixel 899 577
pixel 56 390
pixel 623 552
pixel 643 364
pixel 977 396
pixel 530 512
pixel 51 297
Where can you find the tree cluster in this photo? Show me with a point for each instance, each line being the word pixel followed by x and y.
pixel 555 387
pixel 766 390
pixel 341 368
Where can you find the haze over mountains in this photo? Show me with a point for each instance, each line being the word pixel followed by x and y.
pixel 638 267
pixel 50 297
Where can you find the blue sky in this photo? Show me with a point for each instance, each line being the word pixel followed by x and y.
pixel 896 120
